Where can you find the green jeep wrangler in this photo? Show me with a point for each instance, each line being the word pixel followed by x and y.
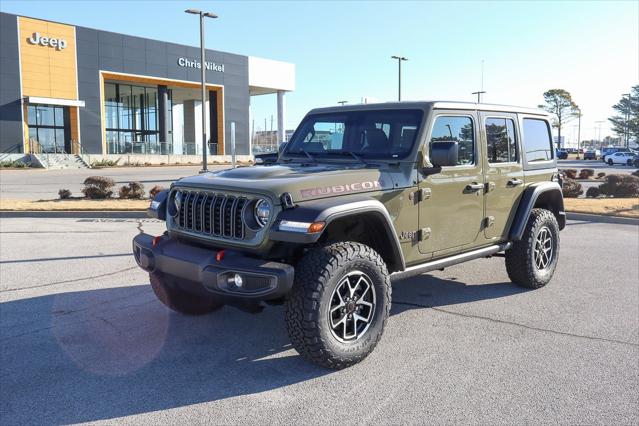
pixel 359 195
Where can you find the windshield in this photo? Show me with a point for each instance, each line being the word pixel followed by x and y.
pixel 383 134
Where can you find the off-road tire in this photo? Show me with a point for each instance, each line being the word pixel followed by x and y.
pixel 317 274
pixel 169 293
pixel 520 263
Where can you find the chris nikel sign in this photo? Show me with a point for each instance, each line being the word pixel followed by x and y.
pixel 56 43
pixel 211 66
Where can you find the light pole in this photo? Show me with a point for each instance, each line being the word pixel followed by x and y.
pixel 203 77
pixel 598 123
pixel 341 103
pixel 399 75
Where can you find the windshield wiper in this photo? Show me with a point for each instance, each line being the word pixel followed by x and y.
pixel 307 154
pixel 355 156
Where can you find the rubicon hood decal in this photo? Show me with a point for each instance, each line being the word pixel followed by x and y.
pixel 340 189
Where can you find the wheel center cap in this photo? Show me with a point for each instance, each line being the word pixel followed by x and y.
pixel 350 307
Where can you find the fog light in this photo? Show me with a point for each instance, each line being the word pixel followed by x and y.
pixel 236 280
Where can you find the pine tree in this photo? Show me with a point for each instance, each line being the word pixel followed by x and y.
pixel 627 119
pixel 559 102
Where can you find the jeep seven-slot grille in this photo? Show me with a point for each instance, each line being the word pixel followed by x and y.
pixel 217 215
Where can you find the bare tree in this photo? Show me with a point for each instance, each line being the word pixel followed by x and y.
pixel 559 102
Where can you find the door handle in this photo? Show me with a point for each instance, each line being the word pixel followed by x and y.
pixel 473 187
pixel 515 182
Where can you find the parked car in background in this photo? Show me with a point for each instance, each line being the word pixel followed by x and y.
pixel 626 158
pixel 592 154
pixel 611 150
pixel 562 154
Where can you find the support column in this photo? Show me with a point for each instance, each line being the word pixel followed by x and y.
pixel 281 106
pixel 163 114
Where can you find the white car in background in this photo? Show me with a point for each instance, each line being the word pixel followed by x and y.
pixel 625 158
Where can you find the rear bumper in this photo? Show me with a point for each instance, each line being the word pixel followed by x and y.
pixel 198 269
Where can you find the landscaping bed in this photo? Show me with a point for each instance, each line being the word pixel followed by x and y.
pixel 624 207
pixel 73 204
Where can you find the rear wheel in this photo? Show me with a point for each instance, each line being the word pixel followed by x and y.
pixel 610 162
pixel 531 261
pixel 339 304
pixel 172 296
pixel 629 163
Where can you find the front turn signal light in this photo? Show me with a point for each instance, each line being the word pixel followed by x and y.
pixel 316 227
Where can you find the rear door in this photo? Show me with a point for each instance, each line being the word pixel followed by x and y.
pixel 504 172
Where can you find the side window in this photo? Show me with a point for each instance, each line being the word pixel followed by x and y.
pixel 537 140
pixel 500 140
pixel 459 129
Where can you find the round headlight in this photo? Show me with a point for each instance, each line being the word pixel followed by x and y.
pixel 262 212
pixel 177 202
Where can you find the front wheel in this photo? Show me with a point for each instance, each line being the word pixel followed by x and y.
pixel 629 163
pixel 339 304
pixel 531 261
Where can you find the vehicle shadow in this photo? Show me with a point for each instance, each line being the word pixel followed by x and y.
pixel 101 354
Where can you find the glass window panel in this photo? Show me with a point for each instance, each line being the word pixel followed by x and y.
pixel 46 137
pixel 33 133
pixel 537 140
pixel 497 140
pixel 59 139
pixel 512 140
pixel 456 129
pixel 59 116
pixel 45 115
pixel 32 114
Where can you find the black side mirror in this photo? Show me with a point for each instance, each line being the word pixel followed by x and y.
pixel 444 153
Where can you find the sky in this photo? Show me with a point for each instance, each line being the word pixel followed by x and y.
pixel 342 50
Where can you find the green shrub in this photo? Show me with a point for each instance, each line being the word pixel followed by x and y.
pixel 134 190
pixel 105 163
pixel 155 190
pixel 620 186
pixel 572 189
pixel 98 187
pixel 64 194
pixel 592 192
pixel 600 175
pixel 12 164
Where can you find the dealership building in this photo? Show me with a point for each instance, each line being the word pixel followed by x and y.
pixel 75 90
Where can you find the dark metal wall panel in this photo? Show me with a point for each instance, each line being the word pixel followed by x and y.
pixel 106 51
pixel 10 103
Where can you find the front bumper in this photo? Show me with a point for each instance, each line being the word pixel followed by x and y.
pixel 198 269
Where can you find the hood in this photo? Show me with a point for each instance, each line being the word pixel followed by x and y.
pixel 302 182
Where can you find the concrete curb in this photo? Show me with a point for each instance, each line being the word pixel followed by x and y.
pixel 584 217
pixel 76 214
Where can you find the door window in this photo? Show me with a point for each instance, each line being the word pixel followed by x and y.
pixel 456 129
pixel 500 140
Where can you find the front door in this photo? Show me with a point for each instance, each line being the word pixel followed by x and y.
pixel 452 201
pixel 504 172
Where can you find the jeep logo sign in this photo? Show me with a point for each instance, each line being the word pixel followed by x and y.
pixel 57 43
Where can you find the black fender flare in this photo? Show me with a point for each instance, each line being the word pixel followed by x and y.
pixel 551 195
pixel 330 210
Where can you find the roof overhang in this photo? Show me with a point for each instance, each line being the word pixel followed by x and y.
pixel 267 76
pixel 53 101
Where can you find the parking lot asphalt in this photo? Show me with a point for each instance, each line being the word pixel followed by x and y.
pixel 83 339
